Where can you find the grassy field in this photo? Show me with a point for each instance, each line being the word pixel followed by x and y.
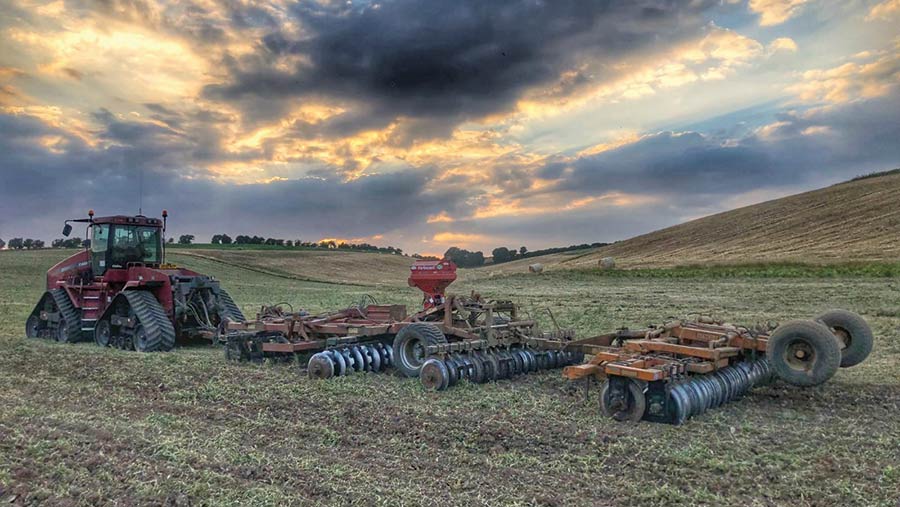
pixel 84 426
pixel 853 221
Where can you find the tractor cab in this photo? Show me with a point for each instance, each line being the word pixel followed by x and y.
pixel 117 242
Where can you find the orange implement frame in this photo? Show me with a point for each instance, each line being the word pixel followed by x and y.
pixel 659 353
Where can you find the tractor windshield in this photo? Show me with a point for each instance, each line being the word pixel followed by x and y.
pixel 133 243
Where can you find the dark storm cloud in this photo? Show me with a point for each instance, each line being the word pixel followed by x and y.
pixel 442 62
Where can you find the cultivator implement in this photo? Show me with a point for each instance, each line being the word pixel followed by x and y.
pixel 680 370
pixel 457 337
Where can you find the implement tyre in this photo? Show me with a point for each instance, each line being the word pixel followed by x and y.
pixel 804 353
pixel 409 347
pixel 853 333
pixel 629 409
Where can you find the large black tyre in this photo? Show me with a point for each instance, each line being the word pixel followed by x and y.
pixel 634 405
pixel 409 346
pixel 853 333
pixel 804 353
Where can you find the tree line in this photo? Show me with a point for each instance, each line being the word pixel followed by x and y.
pixel 23 244
pixel 241 239
pixel 466 259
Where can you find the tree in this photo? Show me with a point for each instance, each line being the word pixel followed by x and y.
pixel 226 239
pixel 288 243
pixel 58 243
pixel 523 251
pixel 38 243
pixel 464 258
pixel 2 244
pixel 28 243
pixel 503 254
pixel 185 239
pixel 216 239
pixel 170 241
pixel 16 243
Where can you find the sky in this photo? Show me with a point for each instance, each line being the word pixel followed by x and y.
pixel 438 123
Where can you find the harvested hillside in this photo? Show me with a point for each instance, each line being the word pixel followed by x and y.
pixel 849 222
pixel 331 266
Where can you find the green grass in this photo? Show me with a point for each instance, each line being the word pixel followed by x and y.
pixel 81 425
pixel 773 270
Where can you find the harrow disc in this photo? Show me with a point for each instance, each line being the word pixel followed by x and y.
pixel 452 372
pixel 340 362
pixel 490 366
pixel 477 369
pixel 375 356
pixel 434 375
pixel 358 361
pixel 320 366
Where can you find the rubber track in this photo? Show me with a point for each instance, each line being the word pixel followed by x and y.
pixel 231 309
pixel 150 314
pixel 69 312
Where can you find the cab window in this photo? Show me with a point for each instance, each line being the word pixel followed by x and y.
pixel 134 244
pixel 99 244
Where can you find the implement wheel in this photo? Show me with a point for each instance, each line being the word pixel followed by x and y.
pixel 804 353
pixel 626 405
pixel 853 333
pixel 410 344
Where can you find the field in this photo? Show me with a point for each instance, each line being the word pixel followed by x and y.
pixel 84 426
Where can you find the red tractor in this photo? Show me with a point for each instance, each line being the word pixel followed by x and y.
pixel 120 292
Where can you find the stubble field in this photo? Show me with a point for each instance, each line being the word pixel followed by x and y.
pixel 81 425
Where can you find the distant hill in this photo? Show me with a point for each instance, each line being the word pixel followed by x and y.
pixel 854 221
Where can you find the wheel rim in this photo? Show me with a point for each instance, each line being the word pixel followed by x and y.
pixel 33 327
pixel 140 338
pixel 413 353
pixel 800 355
pixel 622 408
pixel 62 331
pixel 843 337
pixel 102 335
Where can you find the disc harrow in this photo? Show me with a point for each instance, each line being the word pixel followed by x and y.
pixel 680 370
pixel 338 362
pixel 481 366
pixel 473 338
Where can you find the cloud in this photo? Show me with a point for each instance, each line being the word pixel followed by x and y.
pixel 438 64
pixel 782 44
pixel 875 76
pixel 799 148
pixel 775 12
pixel 884 11
pixel 75 176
